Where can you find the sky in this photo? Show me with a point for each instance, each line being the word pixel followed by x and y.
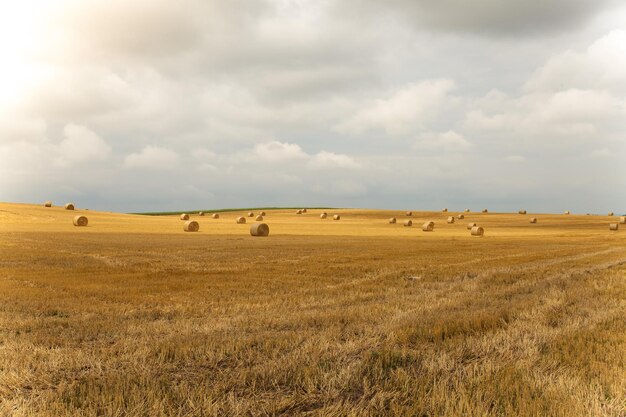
pixel 160 105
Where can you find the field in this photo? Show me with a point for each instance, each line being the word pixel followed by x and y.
pixel 131 316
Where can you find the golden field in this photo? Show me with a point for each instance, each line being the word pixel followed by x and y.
pixel 131 316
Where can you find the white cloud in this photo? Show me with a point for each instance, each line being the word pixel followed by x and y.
pixel 80 145
pixel 447 142
pixel 278 152
pixel 152 157
pixel 325 160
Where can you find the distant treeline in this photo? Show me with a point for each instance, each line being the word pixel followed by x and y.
pixel 167 213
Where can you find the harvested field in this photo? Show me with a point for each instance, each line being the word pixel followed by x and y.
pixel 131 316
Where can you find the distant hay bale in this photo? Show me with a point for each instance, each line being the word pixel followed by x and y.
pixel 303 211
pixel 409 213
pixel 622 220
pixel 323 215
pixel 298 211
pixel 460 216
pixel 451 219
pixel 610 214
pixel 533 220
pixel 336 217
pixel 445 210
pixel 522 211
pixel 428 226
pixel 467 210
pixel 477 231
pixel 191 226
pixel 201 213
pixel 408 223
pixel 80 221
pixel 184 216
pixel 259 218
pixel 215 216
pixel 470 226
pixel 241 220
pixel 259 229
pixel 47 204
pixel 262 213
pixel 485 211
pixel 566 212
pixel 613 226
pixel 250 214
pixel 69 206
pixel 392 220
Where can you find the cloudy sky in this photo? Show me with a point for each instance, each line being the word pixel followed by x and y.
pixel 407 104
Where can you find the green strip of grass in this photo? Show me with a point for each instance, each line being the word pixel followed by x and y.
pixel 168 213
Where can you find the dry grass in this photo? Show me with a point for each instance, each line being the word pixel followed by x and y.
pixel 131 316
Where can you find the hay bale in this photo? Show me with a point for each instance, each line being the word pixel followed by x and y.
pixel 80 221
pixel 467 210
pixel 408 223
pixel 622 220
pixel 47 204
pixel 460 216
pixel 613 226
pixel 250 214
pixel 241 220
pixel 610 214
pixel 69 206
pixel 409 213
pixel 445 210
pixel 259 218
pixel 262 213
pixel 259 229
pixel 299 211
pixel 323 215
pixel 533 220
pixel 336 217
pixel 191 226
pixel 451 219
pixel 428 226
pixel 303 211
pixel 215 216
pixel 184 216
pixel 522 211
pixel 485 211
pixel 566 212
pixel 477 231
pixel 201 213
pixel 471 225
pixel 392 220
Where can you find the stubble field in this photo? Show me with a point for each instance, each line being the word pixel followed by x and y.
pixel 131 316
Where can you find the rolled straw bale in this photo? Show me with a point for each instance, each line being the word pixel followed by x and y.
pixel 409 213
pixel 392 220
pixel 467 210
pixel 610 214
pixel 470 226
pixel 215 216
pixel 259 229
pixel 250 214
pixel 201 213
pixel 445 210
pixel 241 220
pixel 303 211
pixel 262 213
pixel 69 206
pixel 408 223
pixel 566 212
pixel 191 226
pixel 460 216
pixel 47 204
pixel 428 226
pixel 533 220
pixel 485 211
pixel 336 217
pixel 184 216
pixel 299 211
pixel 451 219
pixel 522 211
pixel 323 215
pixel 613 226
pixel 80 221
pixel 259 218
pixel 622 220
pixel 477 231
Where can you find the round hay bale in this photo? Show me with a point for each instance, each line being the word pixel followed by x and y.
pixel 622 220
pixel 428 226
pixel 47 204
pixel 191 226
pixel 69 206
pixel 80 221
pixel 259 218
pixel 262 213
pixel 408 223
pixel 250 214
pixel 477 231
pixel 336 217
pixel 299 211
pixel 485 211
pixel 241 220
pixel 409 213
pixel 533 220
pixel 613 226
pixel 201 213
pixel 259 229
pixel 392 220
pixel 566 212
pixel 522 211
pixel 467 210
pixel 215 216
pixel 323 215
pixel 184 216
pixel 460 216
pixel 303 211
pixel 610 214
pixel 445 210
pixel 470 226
pixel 451 219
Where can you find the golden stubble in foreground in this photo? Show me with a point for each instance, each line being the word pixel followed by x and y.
pixel 131 316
